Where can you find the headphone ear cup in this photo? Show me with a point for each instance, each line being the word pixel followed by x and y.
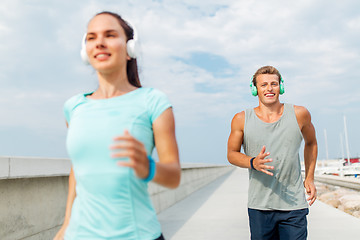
pixel 282 88
pixel 254 91
pixel 131 48
pixel 83 54
pixel 132 45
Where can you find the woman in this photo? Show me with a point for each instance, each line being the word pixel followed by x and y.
pixel 111 134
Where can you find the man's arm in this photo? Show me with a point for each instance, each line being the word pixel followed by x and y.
pixel 235 141
pixel 310 150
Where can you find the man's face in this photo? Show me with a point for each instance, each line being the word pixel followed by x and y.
pixel 268 88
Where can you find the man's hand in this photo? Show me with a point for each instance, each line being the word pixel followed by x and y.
pixel 259 162
pixel 310 190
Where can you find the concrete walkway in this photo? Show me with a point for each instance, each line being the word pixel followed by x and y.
pixel 218 211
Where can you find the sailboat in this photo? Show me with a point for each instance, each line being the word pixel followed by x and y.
pixel 344 168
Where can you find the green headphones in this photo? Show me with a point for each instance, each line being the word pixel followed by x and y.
pixel 254 91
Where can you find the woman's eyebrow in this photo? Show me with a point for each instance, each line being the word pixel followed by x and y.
pixel 107 31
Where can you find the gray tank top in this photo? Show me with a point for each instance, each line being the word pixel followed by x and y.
pixel 284 190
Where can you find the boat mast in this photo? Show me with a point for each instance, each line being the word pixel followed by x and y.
pixel 346 142
pixel 342 155
pixel 326 147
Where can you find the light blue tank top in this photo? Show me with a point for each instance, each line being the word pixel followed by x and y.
pixel 284 190
pixel 111 202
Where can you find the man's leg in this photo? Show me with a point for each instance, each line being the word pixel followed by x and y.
pixel 263 225
pixel 293 225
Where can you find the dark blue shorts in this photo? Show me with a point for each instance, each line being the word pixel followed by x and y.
pixel 160 238
pixel 273 225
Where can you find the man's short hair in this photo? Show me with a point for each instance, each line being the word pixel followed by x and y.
pixel 266 70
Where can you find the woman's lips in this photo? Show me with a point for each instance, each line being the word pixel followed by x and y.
pixel 102 56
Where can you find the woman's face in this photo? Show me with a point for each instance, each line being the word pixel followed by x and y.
pixel 106 44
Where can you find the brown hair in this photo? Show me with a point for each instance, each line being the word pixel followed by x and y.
pixel 266 70
pixel 131 67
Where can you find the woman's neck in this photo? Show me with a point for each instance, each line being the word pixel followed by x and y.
pixel 112 85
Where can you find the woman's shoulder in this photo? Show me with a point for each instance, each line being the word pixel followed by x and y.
pixel 71 104
pixel 73 101
pixel 75 98
pixel 152 93
pixel 156 101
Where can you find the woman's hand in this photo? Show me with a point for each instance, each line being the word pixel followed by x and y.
pixel 126 146
pixel 168 169
pixel 60 234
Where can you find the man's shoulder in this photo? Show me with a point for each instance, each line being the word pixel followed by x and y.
pixel 240 115
pixel 238 120
pixel 302 115
pixel 301 111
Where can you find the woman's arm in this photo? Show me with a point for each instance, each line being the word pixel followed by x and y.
pixel 168 168
pixel 69 203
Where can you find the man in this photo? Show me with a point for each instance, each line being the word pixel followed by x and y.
pixel 271 135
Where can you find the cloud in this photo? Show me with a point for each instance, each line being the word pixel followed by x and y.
pixel 202 54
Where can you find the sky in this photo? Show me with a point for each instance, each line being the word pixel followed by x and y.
pixel 202 54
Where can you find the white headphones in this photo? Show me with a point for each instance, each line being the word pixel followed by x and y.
pixel 83 53
pixel 131 46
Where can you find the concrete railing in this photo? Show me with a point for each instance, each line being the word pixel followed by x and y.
pixel 33 194
pixel 347 182
pixel 193 177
